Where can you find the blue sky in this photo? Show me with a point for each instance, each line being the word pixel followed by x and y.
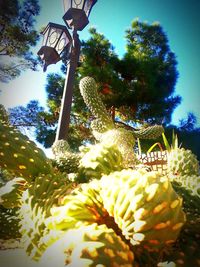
pixel 179 19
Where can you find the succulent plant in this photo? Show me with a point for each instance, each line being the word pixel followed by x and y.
pixel 190 182
pixel 9 222
pixel 180 161
pixel 3 114
pixel 88 89
pixel 144 206
pixel 186 250
pixel 90 245
pixel 11 192
pixel 100 159
pixel 104 129
pixel 37 200
pixel 83 206
pixel 117 213
pixel 19 155
pixel 64 159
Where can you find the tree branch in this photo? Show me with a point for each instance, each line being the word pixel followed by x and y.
pixel 24 125
pixel 16 66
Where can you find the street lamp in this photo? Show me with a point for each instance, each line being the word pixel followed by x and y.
pixel 76 18
pixel 77 13
pixel 56 38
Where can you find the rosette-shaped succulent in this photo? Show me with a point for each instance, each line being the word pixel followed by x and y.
pixel 186 251
pixel 19 155
pixel 144 205
pixel 92 245
pixel 189 182
pixel 9 222
pixel 182 161
pixel 100 159
pixel 37 200
pixel 83 206
pixel 11 192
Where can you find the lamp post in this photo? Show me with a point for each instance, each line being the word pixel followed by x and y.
pixel 76 18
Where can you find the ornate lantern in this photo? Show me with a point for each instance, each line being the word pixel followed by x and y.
pixel 56 39
pixel 77 13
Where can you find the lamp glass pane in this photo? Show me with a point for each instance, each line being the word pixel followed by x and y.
pixel 88 6
pixel 77 4
pixel 45 38
pixel 67 5
pixel 53 36
pixel 63 41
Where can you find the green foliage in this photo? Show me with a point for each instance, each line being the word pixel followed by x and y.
pixel 17 36
pixel 156 73
pixel 137 88
pixel 26 117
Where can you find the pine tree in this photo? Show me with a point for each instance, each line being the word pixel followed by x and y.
pixel 137 88
pixel 17 36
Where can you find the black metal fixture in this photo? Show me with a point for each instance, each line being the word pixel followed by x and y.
pixel 56 40
pixel 77 13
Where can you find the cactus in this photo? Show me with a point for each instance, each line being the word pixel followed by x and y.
pixel 3 114
pixel 83 205
pixel 189 182
pixel 92 245
pixel 149 132
pixel 19 155
pixel 11 192
pixel 191 203
pixel 122 215
pixel 185 251
pixel 91 162
pixel 180 161
pixel 125 142
pixel 145 207
pixel 104 129
pixel 64 159
pixel 100 159
pixel 9 222
pixel 88 89
pixel 37 201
